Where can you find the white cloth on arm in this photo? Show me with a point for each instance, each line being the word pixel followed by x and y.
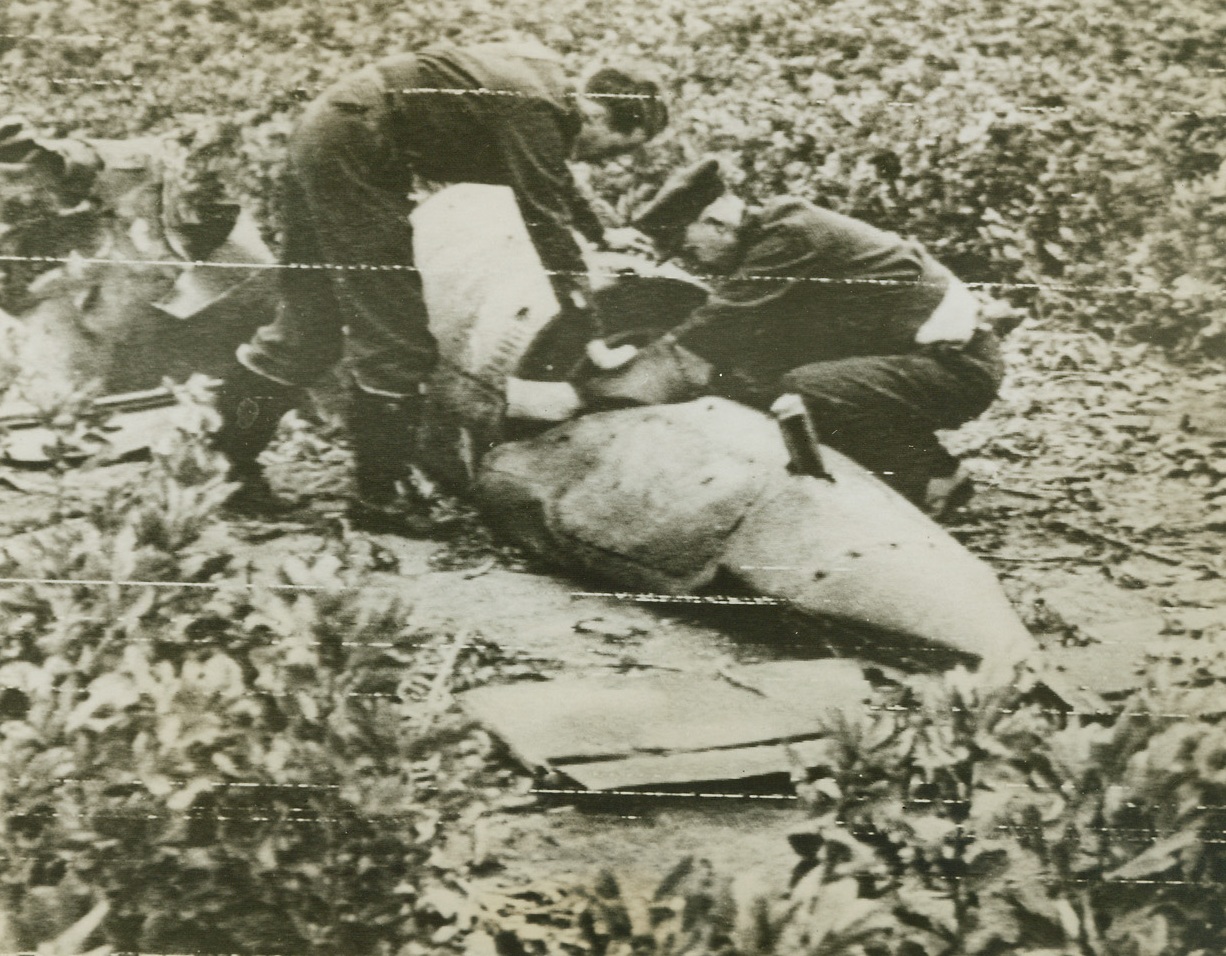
pixel 954 319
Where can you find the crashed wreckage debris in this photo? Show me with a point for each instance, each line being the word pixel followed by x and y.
pixel 666 497
pixel 661 729
pixel 670 498
pixel 134 275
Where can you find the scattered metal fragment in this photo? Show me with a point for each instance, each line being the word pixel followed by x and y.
pixel 665 727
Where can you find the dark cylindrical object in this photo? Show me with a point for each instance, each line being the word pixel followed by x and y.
pixel 800 436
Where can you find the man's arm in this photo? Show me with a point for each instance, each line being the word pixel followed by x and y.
pixel 535 152
pixel 584 217
pixel 775 262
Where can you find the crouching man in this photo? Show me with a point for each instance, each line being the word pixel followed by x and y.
pixel 882 342
pixel 500 114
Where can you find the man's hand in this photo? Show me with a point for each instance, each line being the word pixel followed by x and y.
pixel 542 401
pixel 607 359
pixel 628 239
pixel 658 374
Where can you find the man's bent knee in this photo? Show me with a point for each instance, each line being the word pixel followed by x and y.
pixel 283 367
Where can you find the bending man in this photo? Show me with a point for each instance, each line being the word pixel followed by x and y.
pixel 501 114
pixel 882 341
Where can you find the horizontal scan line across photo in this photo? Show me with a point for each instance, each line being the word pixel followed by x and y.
pixel 693 478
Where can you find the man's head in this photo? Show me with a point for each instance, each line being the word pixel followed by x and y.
pixel 622 107
pixel 713 239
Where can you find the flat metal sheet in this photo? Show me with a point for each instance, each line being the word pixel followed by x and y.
pixel 132 421
pixel 662 727
pixel 125 434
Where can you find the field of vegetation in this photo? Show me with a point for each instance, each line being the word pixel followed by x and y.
pixel 231 758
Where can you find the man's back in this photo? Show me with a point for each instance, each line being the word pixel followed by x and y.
pixel 840 247
pixel 815 285
pixel 454 110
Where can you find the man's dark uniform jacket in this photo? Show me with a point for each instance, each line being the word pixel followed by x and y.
pixel 519 134
pixel 829 306
pixel 496 114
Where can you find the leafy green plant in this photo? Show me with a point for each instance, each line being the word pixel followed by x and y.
pixel 967 819
pixel 218 763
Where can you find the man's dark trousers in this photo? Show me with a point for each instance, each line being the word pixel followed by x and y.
pixel 883 410
pixel 349 286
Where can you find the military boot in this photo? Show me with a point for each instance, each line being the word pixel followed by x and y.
pixel 382 430
pixel 251 407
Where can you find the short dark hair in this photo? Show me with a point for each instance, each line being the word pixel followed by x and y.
pixel 632 94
